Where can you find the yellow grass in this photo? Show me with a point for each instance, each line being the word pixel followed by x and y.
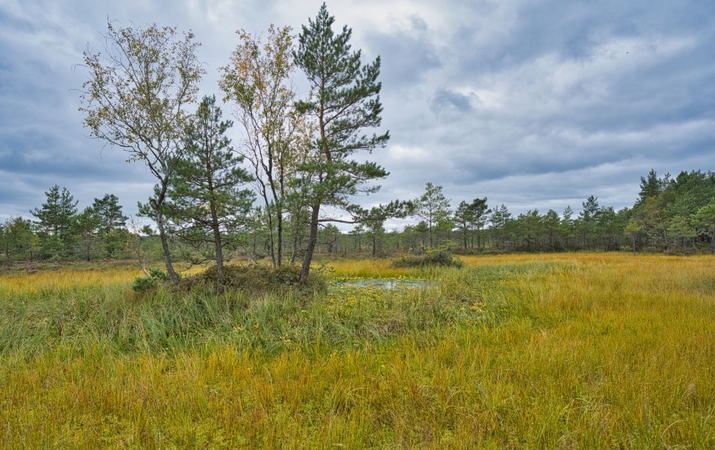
pixel 569 351
pixel 64 278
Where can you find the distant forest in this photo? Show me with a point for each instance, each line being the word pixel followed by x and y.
pixel 673 215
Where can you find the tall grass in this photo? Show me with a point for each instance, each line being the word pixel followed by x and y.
pixel 546 351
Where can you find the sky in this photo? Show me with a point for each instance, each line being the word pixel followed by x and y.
pixel 535 104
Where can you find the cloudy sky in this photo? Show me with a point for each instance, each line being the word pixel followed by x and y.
pixel 531 103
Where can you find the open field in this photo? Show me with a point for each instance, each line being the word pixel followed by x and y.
pixel 601 350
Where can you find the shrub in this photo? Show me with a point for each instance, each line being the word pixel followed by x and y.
pixel 142 284
pixel 441 258
pixel 256 280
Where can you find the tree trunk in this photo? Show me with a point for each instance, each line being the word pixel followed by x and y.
pixel 217 240
pixel 279 250
pixel 157 205
pixel 313 240
pixel 173 276
pixel 430 235
pixel 89 248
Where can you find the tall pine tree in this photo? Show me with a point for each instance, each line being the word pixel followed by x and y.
pixel 345 100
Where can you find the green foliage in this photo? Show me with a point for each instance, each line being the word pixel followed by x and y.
pixel 470 217
pixel 439 258
pixel 345 99
pixel 110 213
pixel 55 218
pixel 18 239
pixel 207 199
pixel 142 284
pixel 704 221
pixel 433 208
pixel 151 282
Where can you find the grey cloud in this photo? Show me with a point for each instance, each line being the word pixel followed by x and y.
pixel 532 104
pixel 407 56
pixel 444 98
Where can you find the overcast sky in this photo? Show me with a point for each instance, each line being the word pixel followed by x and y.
pixel 531 103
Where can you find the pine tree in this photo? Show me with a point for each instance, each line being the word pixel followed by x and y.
pixel 463 216
pixel 109 212
pixel 55 220
pixel 433 208
pixel 205 190
pixel 479 211
pixel 345 100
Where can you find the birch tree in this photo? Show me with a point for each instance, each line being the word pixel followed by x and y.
pixel 136 98
pixel 258 81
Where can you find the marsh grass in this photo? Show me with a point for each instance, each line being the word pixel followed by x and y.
pixel 523 351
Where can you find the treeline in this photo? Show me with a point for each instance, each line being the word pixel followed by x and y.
pixel 670 215
pixel 61 232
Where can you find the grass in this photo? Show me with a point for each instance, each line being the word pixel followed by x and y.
pixel 520 351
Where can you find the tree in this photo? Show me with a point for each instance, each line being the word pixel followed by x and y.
pixel 704 221
pixel 551 223
pixel 257 80
pixel 109 212
pixel 433 208
pixel 690 191
pixel 530 227
pixel 18 237
pixel 479 212
pixel 500 218
pixel 681 230
pixel 112 224
pixel 358 231
pixel 136 99
pixel 329 235
pixel 651 186
pixel 651 218
pixel 205 190
pixel 632 230
pixel 589 217
pixel 55 220
pixel 375 228
pixel 567 225
pixel 345 100
pixel 86 224
pixel 463 217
